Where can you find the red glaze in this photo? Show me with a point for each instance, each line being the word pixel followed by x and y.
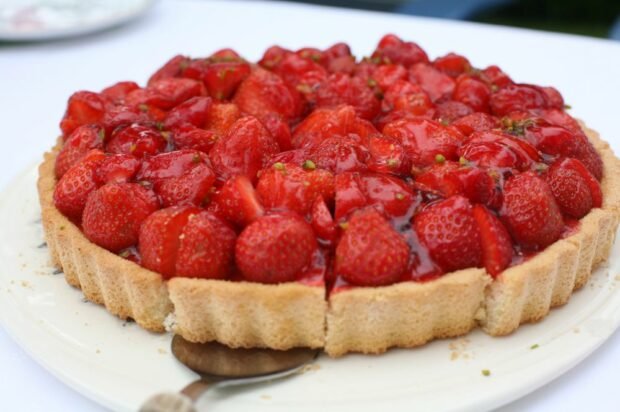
pixel 332 171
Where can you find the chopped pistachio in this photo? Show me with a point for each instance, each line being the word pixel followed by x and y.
pixel 309 165
pixel 278 166
pixel 486 372
pixel 344 225
pixel 534 346
pixel 439 158
pixel 399 196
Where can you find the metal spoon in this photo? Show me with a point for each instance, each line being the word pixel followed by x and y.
pixel 219 365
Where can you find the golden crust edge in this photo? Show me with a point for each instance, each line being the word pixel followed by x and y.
pixel 521 294
pixel 99 273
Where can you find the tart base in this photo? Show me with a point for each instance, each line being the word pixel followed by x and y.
pixel 367 320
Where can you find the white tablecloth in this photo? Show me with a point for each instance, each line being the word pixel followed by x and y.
pixel 36 79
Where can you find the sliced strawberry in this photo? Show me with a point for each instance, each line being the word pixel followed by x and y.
pixel 238 202
pixel 476 122
pixel 73 188
pixel 437 85
pixel 392 49
pixel 263 92
pixel 452 64
pixel 194 111
pixel 387 156
pixel 517 97
pixel 173 68
pixel 473 93
pixel 81 141
pixel 371 252
pixel 340 154
pixel 121 116
pixel 118 91
pixel 340 88
pixel 294 188
pixel 407 97
pixel 494 239
pixel 389 195
pixel 386 75
pixel 423 140
pixel 449 231
pixel 279 130
pixel 148 99
pixel 119 168
pixel 323 222
pixel 191 137
pixel 450 111
pixel 275 248
pixel 302 74
pixel 159 238
pixel 558 141
pixel 575 190
pixel 223 78
pixel 338 59
pixel 324 123
pixel 83 108
pixel 494 149
pixel 349 195
pixel 114 213
pixel 558 117
pixel 530 212
pixel 177 90
pixel 495 77
pixel 297 157
pixel 206 248
pixel 137 140
pixel 221 117
pixel 180 177
pixel 244 150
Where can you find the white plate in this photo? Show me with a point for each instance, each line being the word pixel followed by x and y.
pixel 119 365
pixel 37 20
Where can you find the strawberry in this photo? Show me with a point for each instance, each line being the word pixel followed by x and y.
pixel 423 140
pixel 175 91
pixel 338 59
pixel 340 154
pixel 148 99
pixel 530 212
pixel 205 248
pixel 119 168
pixel 302 74
pixel 159 241
pixel 81 141
pixel 371 252
pixel 387 156
pixel 297 157
pixel 517 97
pixel 323 222
pixel 475 122
pixel 575 190
pixel 221 117
pixel 450 111
pixel 244 150
pixel 324 123
pixel 279 129
pixel 118 91
pixel 191 137
pixel 452 64
pixel 386 75
pixel 294 188
pixel 114 212
pixel 450 178
pixel 349 195
pixel 238 202
pixel 558 117
pixel 73 188
pixel 263 92
pixel 340 88
pixel 494 77
pixel 223 78
pixel 173 68
pixel 194 111
pixel 494 240
pixel 275 248
pixel 83 108
pixel 499 150
pixel 560 142
pixel 407 97
pixel 392 49
pixel 473 93
pixel 449 231
pixel 137 140
pixel 437 85
pixel 120 116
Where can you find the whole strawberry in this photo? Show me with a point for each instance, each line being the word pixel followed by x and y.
pixel 114 212
pixel 76 184
pixel 575 189
pixel 81 141
pixel 371 252
pixel 530 212
pixel 275 248
pixel 449 231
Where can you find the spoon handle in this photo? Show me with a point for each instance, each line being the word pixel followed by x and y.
pixel 177 401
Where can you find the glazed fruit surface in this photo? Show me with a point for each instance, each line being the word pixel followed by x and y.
pixel 311 163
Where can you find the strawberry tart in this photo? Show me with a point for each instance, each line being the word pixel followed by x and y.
pixel 313 199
